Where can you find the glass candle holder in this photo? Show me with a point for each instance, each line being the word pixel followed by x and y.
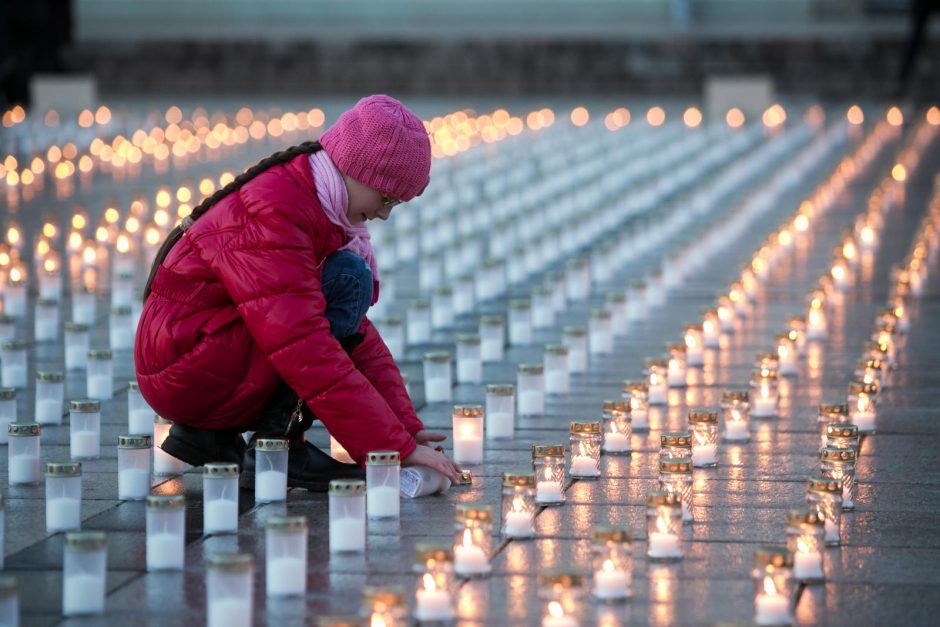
pixel 434 566
pixel 676 369
pixel 543 313
pixel 500 414
pixel 805 539
pixel 84 307
pixel 861 403
pixel 219 498
pixel 285 541
pixel 7 326
pixel 735 412
pixel 164 464
pixel 85 429
pixel 871 372
pixel 50 396
pixel 442 307
pixel 694 345
pixel 738 299
pixel 518 505
pixel 23 451
pixel 764 394
pixel 656 377
pixel 418 322
pixel 13 363
pixel 617 428
pixel 786 355
pixel 63 496
pixel 76 345
pixel 675 477
pixel 767 362
pixel 347 515
pixel 9 602
pixel 575 338
pixel 839 464
pixel 562 596
pixel 271 470
pixel 830 413
pixel 726 315
pixel 467 421
pixel 121 328
pixel 83 573
pixel 711 329
pixel 492 338
pixel 816 324
pixel 100 375
pixel 14 297
pixel 773 586
pixel 122 289
pixel 393 332
pixel 663 526
pixel 469 360
pixel 7 412
pixel 675 444
pixel 383 484
pixel 473 535
pixel 557 378
pixel 636 393
pixel 520 322
pixel 585 449
pixel 46 320
pixel 230 579
pixel 600 332
pixel 134 467
pixel 824 496
pixel 612 563
pixel 530 383
pixel 704 427
pixel 437 377
pixel 383 606
pixel 548 463
pixel 166 532
pixel 842 436
pixel 139 414
pixel 796 329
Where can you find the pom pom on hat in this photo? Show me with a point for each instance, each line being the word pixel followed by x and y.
pixel 382 144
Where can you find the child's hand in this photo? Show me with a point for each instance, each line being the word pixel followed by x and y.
pixel 427 456
pixel 424 436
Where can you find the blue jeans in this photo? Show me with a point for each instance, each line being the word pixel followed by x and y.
pixel 347 287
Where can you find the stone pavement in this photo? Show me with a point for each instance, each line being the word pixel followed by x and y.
pixel 884 573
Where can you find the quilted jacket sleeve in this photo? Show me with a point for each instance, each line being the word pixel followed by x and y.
pixel 271 274
pixel 373 359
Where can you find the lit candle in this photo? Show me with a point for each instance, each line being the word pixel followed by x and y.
pixel 585 449
pixel 610 582
pixel 656 386
pixel 807 565
pixel 786 355
pixel 518 521
pixel 468 434
pixel 432 603
pixel 772 608
pixel 736 427
pixel 470 559
pixel 583 466
pixel 616 442
pixel 557 617
pixel 676 368
pixel 816 324
pixel 764 399
pixel 663 543
pixel 703 454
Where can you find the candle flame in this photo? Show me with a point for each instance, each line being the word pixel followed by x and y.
pixel 16 275
pixel 377 621
pixel 735 415
pixel 769 588
pixel 661 525
pixel 429 583
pixel 518 505
pixel 555 609
pixel 123 243
pixel 49 265
pixel 690 340
pixel 467 538
pixel 582 450
pixel 708 326
pixel 802 546
pixel 654 378
pixel 700 438
pixel 608 566
pixel 548 474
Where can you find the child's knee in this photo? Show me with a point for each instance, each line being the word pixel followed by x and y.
pixel 347 287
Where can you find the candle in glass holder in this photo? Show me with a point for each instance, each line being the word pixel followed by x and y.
pixel 734 405
pixel 764 393
pixel 562 594
pixel 557 378
pixel 816 327
pixel 380 606
pixel 797 333
pixel 166 537
pixel 861 406
pixel 656 373
pixel 704 427
pixel 617 428
pixel 663 526
pixel 84 568
pixel 286 556
pixel 694 345
pixel 612 562
pixel 500 414
pixel 805 539
pixel 726 315
pixel 830 413
pixel 841 274
pixel 473 532
pixel 50 395
pixel 842 436
pixel 839 464
pixel 230 589
pixel 468 434
pixel 63 496
pixel 575 338
pixel 676 369
pixel 518 504
pixel 773 583
pixel 437 377
pixel 824 496
pixel 711 329
pixel 585 449
pixel 469 362
pixel 675 477
pixel 347 515
pixel 434 565
pixel 675 444
pixel 530 386
pixel 636 393
pixel 548 463
pixel 492 338
pixel 133 467
pixel 786 355
pixel 383 483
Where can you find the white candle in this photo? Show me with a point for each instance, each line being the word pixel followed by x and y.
pixel 764 407
pixel 85 444
pixel 577 360
pixel 491 349
pixel 656 395
pixel 469 559
pixel 83 594
pixel 75 357
pixel 49 411
pixel 639 418
pixel 807 565
pixel 518 524
pixel 704 454
pixel 63 514
pixel 286 576
pixel 100 386
pixel 736 431
pixel 832 531
pixel 694 355
pixel 610 582
pixel 24 468
pixel 548 492
pixel 121 338
pixel 165 551
pixel 499 425
pixel 520 333
pixel 437 390
pixel 616 442
pixel 469 371
pixel 133 483
pixel 675 377
pixel 664 544
pixel 584 466
pixel 166 464
pixel 383 501
pixel 531 402
pixel 270 485
pixel 864 420
pixel 140 421
pixel 230 612
pixel 772 609
pixel 45 330
pixel 468 449
pixel 432 603
pixel 347 534
pixel 220 515
pixel 14 376
pixel 556 382
pixel 557 617
pixel 787 362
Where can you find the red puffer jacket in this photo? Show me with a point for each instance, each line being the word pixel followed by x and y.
pixel 237 306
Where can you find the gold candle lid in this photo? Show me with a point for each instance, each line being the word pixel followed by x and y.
pixel 443 290
pixel 287 524
pixel 123 310
pixel 492 320
pixel 631 387
pixel 383 458
pixel 23 429
pixel 616 297
pixel 470 511
pixel 231 562
pixel 520 304
pixel 220 470
pixel 501 389
pixel 703 416
pixel 548 450
pixel 134 441
pixel 50 377
pixel 85 406
pixel 561 580
pixel 797 517
pixel 85 540
pixel 777 556
pixel 556 349
pixel 7 585
pixel 842 430
pixel 619 535
pixel 438 357
pixel 834 409
pixel 676 438
pixel 468 339
pixel 518 479
pixel 825 484
pixel 574 331
pixel 47 302
pixel 587 428
pixel 13 345
pixel 347 487
pixel 7 394
pixel 860 387
pixel 656 363
pixel 63 469
pixel 601 314
pixel 830 454
pixel 677 465
pixel 380 598
pixel 610 406
pixel 468 411
pixel 435 553
pixel 166 501
pixel 657 498
pixel 99 354
pixel 418 304
pixel 390 321
pixel 531 368
pixel 735 396
pixel 271 444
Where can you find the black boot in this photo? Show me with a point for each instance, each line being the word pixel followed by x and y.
pixel 197 446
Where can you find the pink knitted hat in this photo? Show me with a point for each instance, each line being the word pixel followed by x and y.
pixel 382 144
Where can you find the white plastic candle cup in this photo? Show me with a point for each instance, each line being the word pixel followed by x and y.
pixel 442 307
pixel 469 362
pixel 133 467
pixel 806 540
pixel 500 414
pixel 63 497
pixel 520 322
pixel 861 406
pixel 548 464
pixel 575 338
pixel 14 299
pixel 7 411
pixel 676 370
pixel 7 327
pixel 23 451
pixel 46 320
pixel 437 377
pixel 787 356
pixel 577 279
pixel 121 328
pixel 393 332
pixel 270 469
pixel 76 346
pixel 711 330
pixel 617 305
pixel 83 573
pixel 122 290
pixel 164 464
pixel 230 590
pixel 530 386
pixel 557 378
pixel 735 412
pixel 85 429
pixel 9 602
pixel 430 271
pixel 83 308
pixel 600 332
pixel 518 505
pixel 13 363
pixel 816 328
pixel 100 375
pixel 612 563
pixel 383 484
pixel 50 397
pixel 694 345
pixel 473 534
pixel 656 387
pixel 675 477
pixel 464 291
pixel 764 394
pixel 166 532
pixel 139 414
pixel 347 516
pixel 492 338
pixel 418 316
pixel 543 314
pixel 286 556
pixel 824 496
pixel 467 422
pixel 220 498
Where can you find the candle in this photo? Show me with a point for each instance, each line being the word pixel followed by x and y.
pixel 772 608
pixel 437 390
pixel 270 485
pixel 657 394
pixel 24 468
pixel 676 375
pixel 85 444
pixel 432 603
pixel 220 515
pixel 703 454
pixel 164 551
pixel 14 376
pixel 764 406
pixel 499 424
pixel 815 325
pixel 469 371
pixel 468 449
pixel 864 420
pixel 100 386
pixel 584 466
pixel 662 542
pixel 832 531
pixel 786 359
pixel 518 522
pixel 469 559
pixel 531 402
pixel 230 612
pixel 557 617
pixel 140 421
pixel 577 360
pixel 285 576
pixel 556 382
pixel 63 514
pixel 133 483
pixel 48 411
pixel 83 594
pixel 347 534
pixel 639 418
pixel 616 442
pixel 610 582
pixel 735 431
pixel 382 501
pixel 548 491
pixel 807 565
pixel 75 357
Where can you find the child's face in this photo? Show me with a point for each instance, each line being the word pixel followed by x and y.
pixel 365 203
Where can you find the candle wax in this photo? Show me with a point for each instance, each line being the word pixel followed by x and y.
pixel 518 524
pixel 166 464
pixel 140 421
pixel 610 584
pixel 807 565
pixel 63 514
pixel 382 501
pixel 270 485
pixel 433 605
pixel 85 444
pixel 437 390
pixel 499 424
pixel 468 449
pixel 45 330
pixel 865 421
pixel 832 531
pixel 556 382
pixel 736 431
pixel 616 442
pixel 560 621
pixel 764 407
pixel 656 395
pixel 49 411
pixel 100 386
pixel 772 609
pixel 24 468
pixel 83 594
pixel 577 360
pixel 75 357
pixel 220 515
pixel 704 454
pixel 640 419
pixel 165 551
pixel 13 376
pixel 133 483
pixel 531 402
pixel 584 466
pixel 229 612
pixel 664 545
pixel 548 492
pixel 347 534
pixel 470 560
pixel 286 576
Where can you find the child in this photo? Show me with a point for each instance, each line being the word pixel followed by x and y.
pixel 254 311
